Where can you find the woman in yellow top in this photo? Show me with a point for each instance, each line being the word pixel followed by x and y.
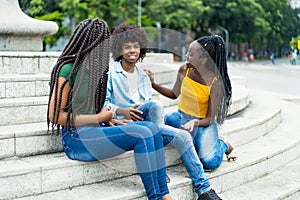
pixel 205 90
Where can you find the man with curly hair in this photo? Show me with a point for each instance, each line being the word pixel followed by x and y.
pixel 129 89
pixel 129 92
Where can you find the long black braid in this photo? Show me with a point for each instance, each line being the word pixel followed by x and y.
pixel 214 45
pixel 88 49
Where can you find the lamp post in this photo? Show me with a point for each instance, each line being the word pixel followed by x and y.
pixel 226 38
pixel 139 12
pixel 158 25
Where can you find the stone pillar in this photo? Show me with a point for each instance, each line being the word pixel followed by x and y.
pixel 19 32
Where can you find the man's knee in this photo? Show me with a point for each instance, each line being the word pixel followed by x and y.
pixel 156 104
pixel 184 138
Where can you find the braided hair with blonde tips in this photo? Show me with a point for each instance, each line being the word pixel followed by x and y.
pixel 214 46
pixel 88 49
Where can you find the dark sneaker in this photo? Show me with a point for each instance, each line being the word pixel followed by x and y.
pixel 209 195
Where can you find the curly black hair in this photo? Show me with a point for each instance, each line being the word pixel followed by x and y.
pixel 214 46
pixel 128 33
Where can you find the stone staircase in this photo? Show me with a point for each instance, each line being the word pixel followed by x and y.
pixel 262 126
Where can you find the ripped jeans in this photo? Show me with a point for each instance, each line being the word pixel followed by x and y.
pixel 209 147
pixel 182 141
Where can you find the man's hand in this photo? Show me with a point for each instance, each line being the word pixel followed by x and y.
pixel 131 113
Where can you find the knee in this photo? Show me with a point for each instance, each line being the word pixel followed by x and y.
pixel 183 140
pixel 146 128
pixel 208 134
pixel 155 104
pixel 143 132
pixel 212 163
pixel 185 137
pixel 172 119
pixel 154 129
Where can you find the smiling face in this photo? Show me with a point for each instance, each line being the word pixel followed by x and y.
pixel 130 52
pixel 193 56
pixel 197 57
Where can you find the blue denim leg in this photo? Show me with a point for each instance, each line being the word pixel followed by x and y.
pixel 173 119
pixel 209 147
pixel 160 157
pixel 177 118
pixel 91 143
pixel 183 141
pixel 152 111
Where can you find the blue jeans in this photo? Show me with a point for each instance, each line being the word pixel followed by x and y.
pixel 182 141
pixel 209 147
pixel 152 111
pixel 92 143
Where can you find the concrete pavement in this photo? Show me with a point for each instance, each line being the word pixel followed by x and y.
pixel 282 79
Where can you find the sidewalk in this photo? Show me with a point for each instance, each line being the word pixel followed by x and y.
pixel 282 79
pixel 282 62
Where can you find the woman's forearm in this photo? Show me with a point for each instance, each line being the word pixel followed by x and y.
pixel 164 91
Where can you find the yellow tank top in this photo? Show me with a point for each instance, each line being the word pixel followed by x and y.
pixel 194 97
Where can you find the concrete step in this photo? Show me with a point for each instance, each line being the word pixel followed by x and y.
pixel 25 74
pixel 127 188
pixel 283 183
pixel 61 176
pixel 37 84
pixel 27 139
pixel 18 86
pixel 165 58
pixel 240 99
pixel 26 134
pixel 23 110
pixel 267 153
pixel 27 62
pixel 42 62
pixel 259 118
pixel 38 174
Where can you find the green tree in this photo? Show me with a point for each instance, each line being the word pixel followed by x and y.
pixel 113 12
pixel 180 15
pixel 274 15
pixel 262 24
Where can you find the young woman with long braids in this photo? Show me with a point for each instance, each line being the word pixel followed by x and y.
pixel 205 90
pixel 77 94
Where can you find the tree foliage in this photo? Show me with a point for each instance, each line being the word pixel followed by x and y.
pixel 261 24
